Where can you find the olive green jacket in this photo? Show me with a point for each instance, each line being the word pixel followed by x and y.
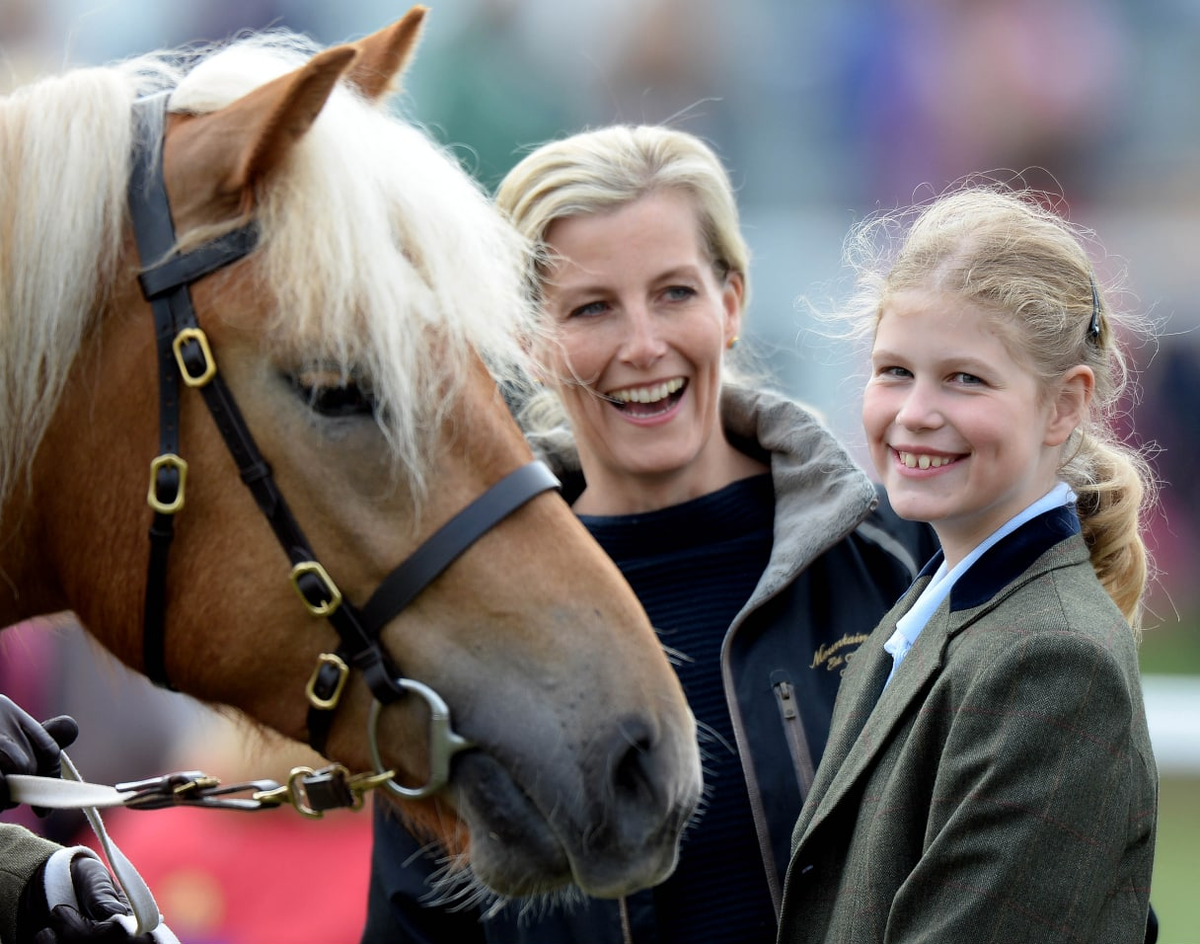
pixel 21 853
pixel 1003 786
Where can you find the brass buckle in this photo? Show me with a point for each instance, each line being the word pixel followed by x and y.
pixel 334 594
pixel 359 784
pixel 293 792
pixel 210 365
pixel 165 461
pixel 343 670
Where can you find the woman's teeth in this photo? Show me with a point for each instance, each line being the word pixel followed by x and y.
pixel 647 394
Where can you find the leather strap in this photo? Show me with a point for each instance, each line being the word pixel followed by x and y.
pixel 155 233
pixel 165 282
pixel 426 564
pixel 421 568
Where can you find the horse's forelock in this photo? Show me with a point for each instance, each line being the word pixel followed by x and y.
pixel 376 242
pixel 220 75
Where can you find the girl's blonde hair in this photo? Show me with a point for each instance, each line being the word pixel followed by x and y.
pixel 1004 250
pixel 603 170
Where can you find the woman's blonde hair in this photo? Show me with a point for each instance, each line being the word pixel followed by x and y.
pixel 602 170
pixel 1004 250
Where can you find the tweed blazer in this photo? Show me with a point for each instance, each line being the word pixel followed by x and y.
pixel 21 855
pixel 1003 786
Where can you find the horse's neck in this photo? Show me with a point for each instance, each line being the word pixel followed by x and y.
pixel 28 584
pixel 73 529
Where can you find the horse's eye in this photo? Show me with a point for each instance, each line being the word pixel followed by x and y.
pixel 334 395
pixel 346 400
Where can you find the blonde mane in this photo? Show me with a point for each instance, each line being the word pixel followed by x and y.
pixel 387 261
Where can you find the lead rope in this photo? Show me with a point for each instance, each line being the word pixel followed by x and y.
pixel 141 899
pixel 310 792
pixel 62 794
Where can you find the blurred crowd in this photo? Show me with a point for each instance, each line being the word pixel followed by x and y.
pixel 824 111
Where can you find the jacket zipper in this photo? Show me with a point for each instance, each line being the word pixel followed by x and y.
pixel 774 879
pixel 797 740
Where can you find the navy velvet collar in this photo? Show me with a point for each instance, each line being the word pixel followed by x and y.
pixel 1006 560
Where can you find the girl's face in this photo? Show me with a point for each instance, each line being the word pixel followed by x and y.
pixel 961 433
pixel 640 323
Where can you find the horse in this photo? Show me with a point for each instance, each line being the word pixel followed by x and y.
pixel 240 261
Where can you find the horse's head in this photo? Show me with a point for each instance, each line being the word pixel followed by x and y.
pixel 361 336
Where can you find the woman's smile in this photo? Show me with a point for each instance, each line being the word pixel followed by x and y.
pixel 648 402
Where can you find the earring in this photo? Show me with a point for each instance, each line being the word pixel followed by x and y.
pixel 732 343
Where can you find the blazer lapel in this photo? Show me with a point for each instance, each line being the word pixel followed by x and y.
pixel 850 746
pixel 906 688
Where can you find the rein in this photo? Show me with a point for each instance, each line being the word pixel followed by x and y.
pixel 186 360
pixel 310 792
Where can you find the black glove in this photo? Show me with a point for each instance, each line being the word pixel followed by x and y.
pixel 27 747
pixel 95 919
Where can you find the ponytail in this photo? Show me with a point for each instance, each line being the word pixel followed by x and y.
pixel 1113 484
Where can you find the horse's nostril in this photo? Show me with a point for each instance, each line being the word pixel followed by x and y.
pixel 632 765
pixel 630 775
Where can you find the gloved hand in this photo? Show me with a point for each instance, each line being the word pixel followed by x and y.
pixel 72 900
pixel 27 747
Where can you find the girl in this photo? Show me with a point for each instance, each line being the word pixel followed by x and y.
pixel 989 775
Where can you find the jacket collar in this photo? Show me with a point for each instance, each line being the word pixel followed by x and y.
pixel 1004 562
pixel 821 493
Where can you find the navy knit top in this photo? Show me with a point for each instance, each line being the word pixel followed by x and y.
pixel 693 567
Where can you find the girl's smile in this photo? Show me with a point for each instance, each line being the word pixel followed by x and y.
pixel 915 459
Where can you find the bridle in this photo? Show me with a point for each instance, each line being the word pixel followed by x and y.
pixel 185 358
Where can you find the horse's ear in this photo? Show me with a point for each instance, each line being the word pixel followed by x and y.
pixel 240 145
pixel 384 55
pixel 286 109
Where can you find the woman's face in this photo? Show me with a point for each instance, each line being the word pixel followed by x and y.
pixel 640 323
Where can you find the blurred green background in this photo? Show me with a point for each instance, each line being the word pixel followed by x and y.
pixel 1171 666
pixel 1174 895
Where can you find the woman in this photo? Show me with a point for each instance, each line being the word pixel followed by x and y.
pixel 760 551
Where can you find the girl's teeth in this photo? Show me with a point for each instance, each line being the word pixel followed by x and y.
pixel 913 461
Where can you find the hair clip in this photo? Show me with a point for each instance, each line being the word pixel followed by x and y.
pixel 1094 327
